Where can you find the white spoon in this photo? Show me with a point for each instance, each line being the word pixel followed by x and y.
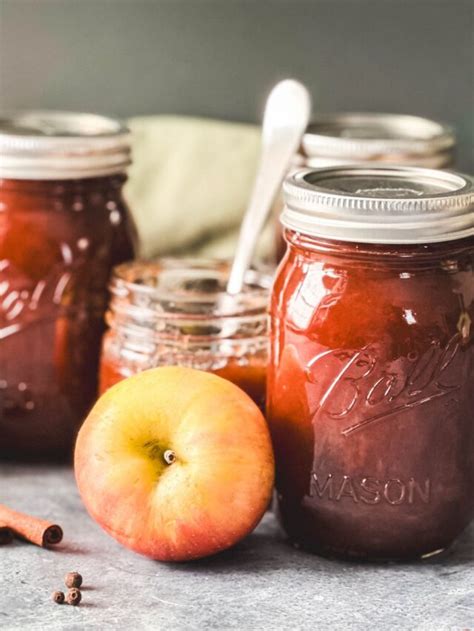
pixel 286 117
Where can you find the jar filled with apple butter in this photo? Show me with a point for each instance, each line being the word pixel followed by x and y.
pixel 177 312
pixel 368 138
pixel 63 227
pixel 371 374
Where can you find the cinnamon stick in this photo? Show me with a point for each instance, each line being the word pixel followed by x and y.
pixel 38 531
pixel 6 535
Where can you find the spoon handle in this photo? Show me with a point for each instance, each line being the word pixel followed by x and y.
pixel 282 133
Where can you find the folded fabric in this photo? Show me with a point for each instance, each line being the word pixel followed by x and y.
pixel 190 182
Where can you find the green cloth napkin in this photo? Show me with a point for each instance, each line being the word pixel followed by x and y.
pixel 189 184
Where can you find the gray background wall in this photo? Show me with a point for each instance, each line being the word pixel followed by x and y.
pixel 218 58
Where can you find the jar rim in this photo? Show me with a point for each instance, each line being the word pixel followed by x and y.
pixel 186 288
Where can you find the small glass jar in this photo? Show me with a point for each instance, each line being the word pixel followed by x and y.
pixel 355 138
pixel 63 226
pixel 176 312
pixel 371 375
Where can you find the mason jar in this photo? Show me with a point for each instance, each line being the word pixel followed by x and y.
pixel 354 138
pixel 371 374
pixel 63 226
pixel 177 312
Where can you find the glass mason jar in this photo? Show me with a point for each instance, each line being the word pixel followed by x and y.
pixel 354 138
pixel 177 312
pixel 63 226
pixel 371 375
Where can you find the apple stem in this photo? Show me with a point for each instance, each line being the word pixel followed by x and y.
pixel 169 456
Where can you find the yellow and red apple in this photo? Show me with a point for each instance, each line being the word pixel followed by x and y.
pixel 175 463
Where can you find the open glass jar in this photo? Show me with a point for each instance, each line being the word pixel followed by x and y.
pixel 368 138
pixel 371 375
pixel 63 226
pixel 177 312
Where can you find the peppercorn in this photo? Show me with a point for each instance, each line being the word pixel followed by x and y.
pixel 73 579
pixel 73 597
pixel 58 597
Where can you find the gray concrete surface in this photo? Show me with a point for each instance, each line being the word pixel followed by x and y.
pixel 263 584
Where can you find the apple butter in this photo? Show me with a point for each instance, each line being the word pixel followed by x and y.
pixel 63 226
pixel 177 312
pixel 371 377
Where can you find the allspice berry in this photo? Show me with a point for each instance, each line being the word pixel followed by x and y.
pixel 73 597
pixel 58 597
pixel 73 579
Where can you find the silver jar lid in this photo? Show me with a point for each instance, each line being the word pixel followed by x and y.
pixel 395 138
pixel 49 145
pixel 398 205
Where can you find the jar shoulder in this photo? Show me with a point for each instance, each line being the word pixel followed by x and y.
pixel 351 305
